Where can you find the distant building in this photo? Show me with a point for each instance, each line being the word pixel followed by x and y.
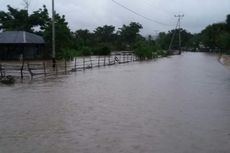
pixel 18 45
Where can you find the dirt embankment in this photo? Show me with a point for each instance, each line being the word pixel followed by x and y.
pixel 225 60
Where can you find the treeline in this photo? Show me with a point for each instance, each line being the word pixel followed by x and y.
pixel 81 42
pixel 106 38
pixel 214 38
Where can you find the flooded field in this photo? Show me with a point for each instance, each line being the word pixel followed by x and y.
pixel 179 104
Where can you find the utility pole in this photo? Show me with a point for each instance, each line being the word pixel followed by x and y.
pixel 26 4
pixel 53 36
pixel 180 16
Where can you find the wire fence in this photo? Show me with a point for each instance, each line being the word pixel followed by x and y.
pixel 38 69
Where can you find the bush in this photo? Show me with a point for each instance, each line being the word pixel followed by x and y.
pixel 145 50
pixel 86 51
pixel 102 50
pixel 67 54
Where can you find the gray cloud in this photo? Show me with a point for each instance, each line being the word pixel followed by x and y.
pixel 88 14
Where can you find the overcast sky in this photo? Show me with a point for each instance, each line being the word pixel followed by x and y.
pixel 89 14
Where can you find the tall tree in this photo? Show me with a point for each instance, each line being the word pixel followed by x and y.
pixel 164 38
pixel 63 33
pixel 105 33
pixel 130 33
pixel 16 19
pixel 83 38
pixel 228 22
pixel 211 35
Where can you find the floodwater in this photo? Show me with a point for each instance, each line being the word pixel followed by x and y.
pixel 179 104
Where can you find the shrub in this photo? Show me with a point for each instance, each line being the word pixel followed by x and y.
pixel 145 50
pixel 102 50
pixel 86 51
pixel 67 54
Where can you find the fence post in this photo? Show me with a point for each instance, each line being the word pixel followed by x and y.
pixel 30 71
pixel 123 57
pixel 56 68
pixel 1 70
pixel 104 60
pixel 22 67
pixel 44 67
pixel 83 62
pixel 91 63
pixel 98 63
pixel 65 66
pixel 75 63
pixel 109 60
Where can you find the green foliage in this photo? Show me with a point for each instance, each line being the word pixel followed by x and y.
pixel 105 33
pixel 228 22
pixel 217 36
pixel 102 50
pixel 83 38
pixel 164 39
pixel 145 50
pixel 20 20
pixel 211 34
pixel 63 36
pixel 194 42
pixel 67 54
pixel 86 51
pixel 82 42
pixel 129 34
pixel 224 41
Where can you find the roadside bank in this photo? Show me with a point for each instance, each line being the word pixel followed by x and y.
pixel 225 60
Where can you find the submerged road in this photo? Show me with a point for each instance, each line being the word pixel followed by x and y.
pixel 179 104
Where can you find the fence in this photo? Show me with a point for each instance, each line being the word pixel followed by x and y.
pixel 33 69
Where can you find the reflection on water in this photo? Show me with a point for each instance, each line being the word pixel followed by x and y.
pixel 177 104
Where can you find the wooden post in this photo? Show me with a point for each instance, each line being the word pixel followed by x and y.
pixel 44 66
pixel 123 57
pixel 1 70
pixel 98 63
pixel 22 67
pixel 65 67
pixel 109 60
pixel 75 63
pixel 83 62
pixel 91 63
pixel 30 71
pixel 104 60
pixel 56 68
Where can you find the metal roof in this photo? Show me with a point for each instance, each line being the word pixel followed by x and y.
pixel 20 37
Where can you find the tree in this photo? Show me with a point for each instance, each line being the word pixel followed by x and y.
pixel 20 20
pixel 194 42
pixel 83 38
pixel 211 35
pixel 228 22
pixel 63 37
pixel 130 33
pixel 105 33
pixel 164 39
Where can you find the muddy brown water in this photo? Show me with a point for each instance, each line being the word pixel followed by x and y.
pixel 179 104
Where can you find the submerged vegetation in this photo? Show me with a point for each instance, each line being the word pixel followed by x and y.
pixel 7 80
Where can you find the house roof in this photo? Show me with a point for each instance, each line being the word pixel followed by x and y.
pixel 20 37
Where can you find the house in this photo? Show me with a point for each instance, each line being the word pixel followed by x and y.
pixel 15 45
